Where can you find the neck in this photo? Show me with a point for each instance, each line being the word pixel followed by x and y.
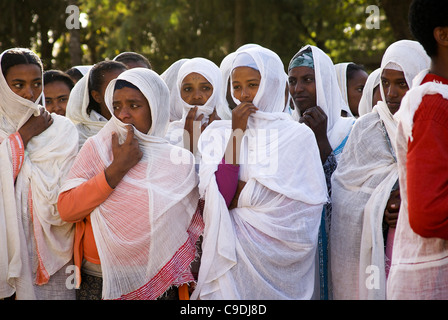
pixel 439 64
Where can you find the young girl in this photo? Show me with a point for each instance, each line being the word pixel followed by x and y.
pixel 36 245
pixel 135 210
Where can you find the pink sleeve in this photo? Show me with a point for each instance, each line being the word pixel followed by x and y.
pixel 17 152
pixel 227 180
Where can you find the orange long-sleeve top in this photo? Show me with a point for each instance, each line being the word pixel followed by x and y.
pixel 75 205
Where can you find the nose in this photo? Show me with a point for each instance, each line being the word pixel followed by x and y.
pixel 28 93
pixel 197 95
pixel 124 114
pixel 392 91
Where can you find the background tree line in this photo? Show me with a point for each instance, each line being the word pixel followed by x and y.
pixel 167 30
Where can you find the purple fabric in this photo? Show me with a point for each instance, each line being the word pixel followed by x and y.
pixel 227 180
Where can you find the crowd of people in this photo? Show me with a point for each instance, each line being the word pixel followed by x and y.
pixel 246 181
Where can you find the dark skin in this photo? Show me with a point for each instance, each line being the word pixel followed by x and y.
pixel 246 82
pixel 25 80
pixel 196 90
pixel 355 86
pixel 394 87
pixel 302 87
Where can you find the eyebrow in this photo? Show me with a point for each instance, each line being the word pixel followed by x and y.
pixel 21 80
pixel 190 83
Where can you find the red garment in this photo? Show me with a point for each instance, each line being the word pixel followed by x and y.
pixel 427 166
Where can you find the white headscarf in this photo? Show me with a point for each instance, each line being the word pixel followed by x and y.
pixel 329 97
pixel 83 69
pixel 361 187
pixel 76 111
pixel 341 74
pixel 240 259
pixel 146 230
pixel 48 158
pixel 373 80
pixel 212 73
pixel 170 78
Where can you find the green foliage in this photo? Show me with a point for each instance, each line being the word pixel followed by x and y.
pixel 167 30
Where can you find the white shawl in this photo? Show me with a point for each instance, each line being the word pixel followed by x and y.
pixel 48 158
pixel 329 98
pixel 170 78
pixel 265 248
pixel 361 187
pixel 341 74
pixel 415 260
pixel 365 104
pixel 87 125
pixel 144 231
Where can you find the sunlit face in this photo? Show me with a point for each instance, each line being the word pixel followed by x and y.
pixel 245 82
pixel 394 87
pixel 355 86
pixel 25 80
pixel 196 89
pixel 302 87
pixel 132 107
pixel 56 97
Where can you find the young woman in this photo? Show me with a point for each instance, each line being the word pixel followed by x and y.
pixel 86 106
pixel 57 88
pixel 264 248
pixel 135 209
pixel 365 190
pixel 352 78
pixel 419 268
pixel 371 93
pixel 198 91
pixel 36 245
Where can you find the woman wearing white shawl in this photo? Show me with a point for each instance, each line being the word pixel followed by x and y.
pixel 35 243
pixel 87 120
pixel 318 102
pixel 170 78
pixel 362 186
pixel 420 258
pixel 371 93
pixel 351 80
pixel 265 247
pixel 213 106
pixel 146 229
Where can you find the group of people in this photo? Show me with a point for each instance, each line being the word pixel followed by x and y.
pixel 246 180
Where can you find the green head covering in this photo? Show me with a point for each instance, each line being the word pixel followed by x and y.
pixel 302 59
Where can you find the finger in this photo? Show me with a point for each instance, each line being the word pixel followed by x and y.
pixel 130 135
pixel 200 117
pixel 192 113
pixel 114 140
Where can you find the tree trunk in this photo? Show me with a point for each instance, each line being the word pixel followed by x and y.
pixel 75 43
pixel 397 15
pixel 240 16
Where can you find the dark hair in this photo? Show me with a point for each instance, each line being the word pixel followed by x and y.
pixel 57 75
pixel 16 56
pixel 74 74
pixel 352 68
pixel 96 80
pixel 120 84
pixel 424 17
pixel 129 57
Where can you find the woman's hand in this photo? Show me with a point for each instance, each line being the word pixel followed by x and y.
pixel 35 126
pixel 193 128
pixel 316 119
pixel 125 157
pixel 240 115
pixel 392 209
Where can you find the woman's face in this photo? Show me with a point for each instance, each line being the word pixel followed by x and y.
pixel 355 86
pixel 99 96
pixel 394 87
pixel 196 89
pixel 25 80
pixel 302 87
pixel 56 97
pixel 131 107
pixel 245 82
